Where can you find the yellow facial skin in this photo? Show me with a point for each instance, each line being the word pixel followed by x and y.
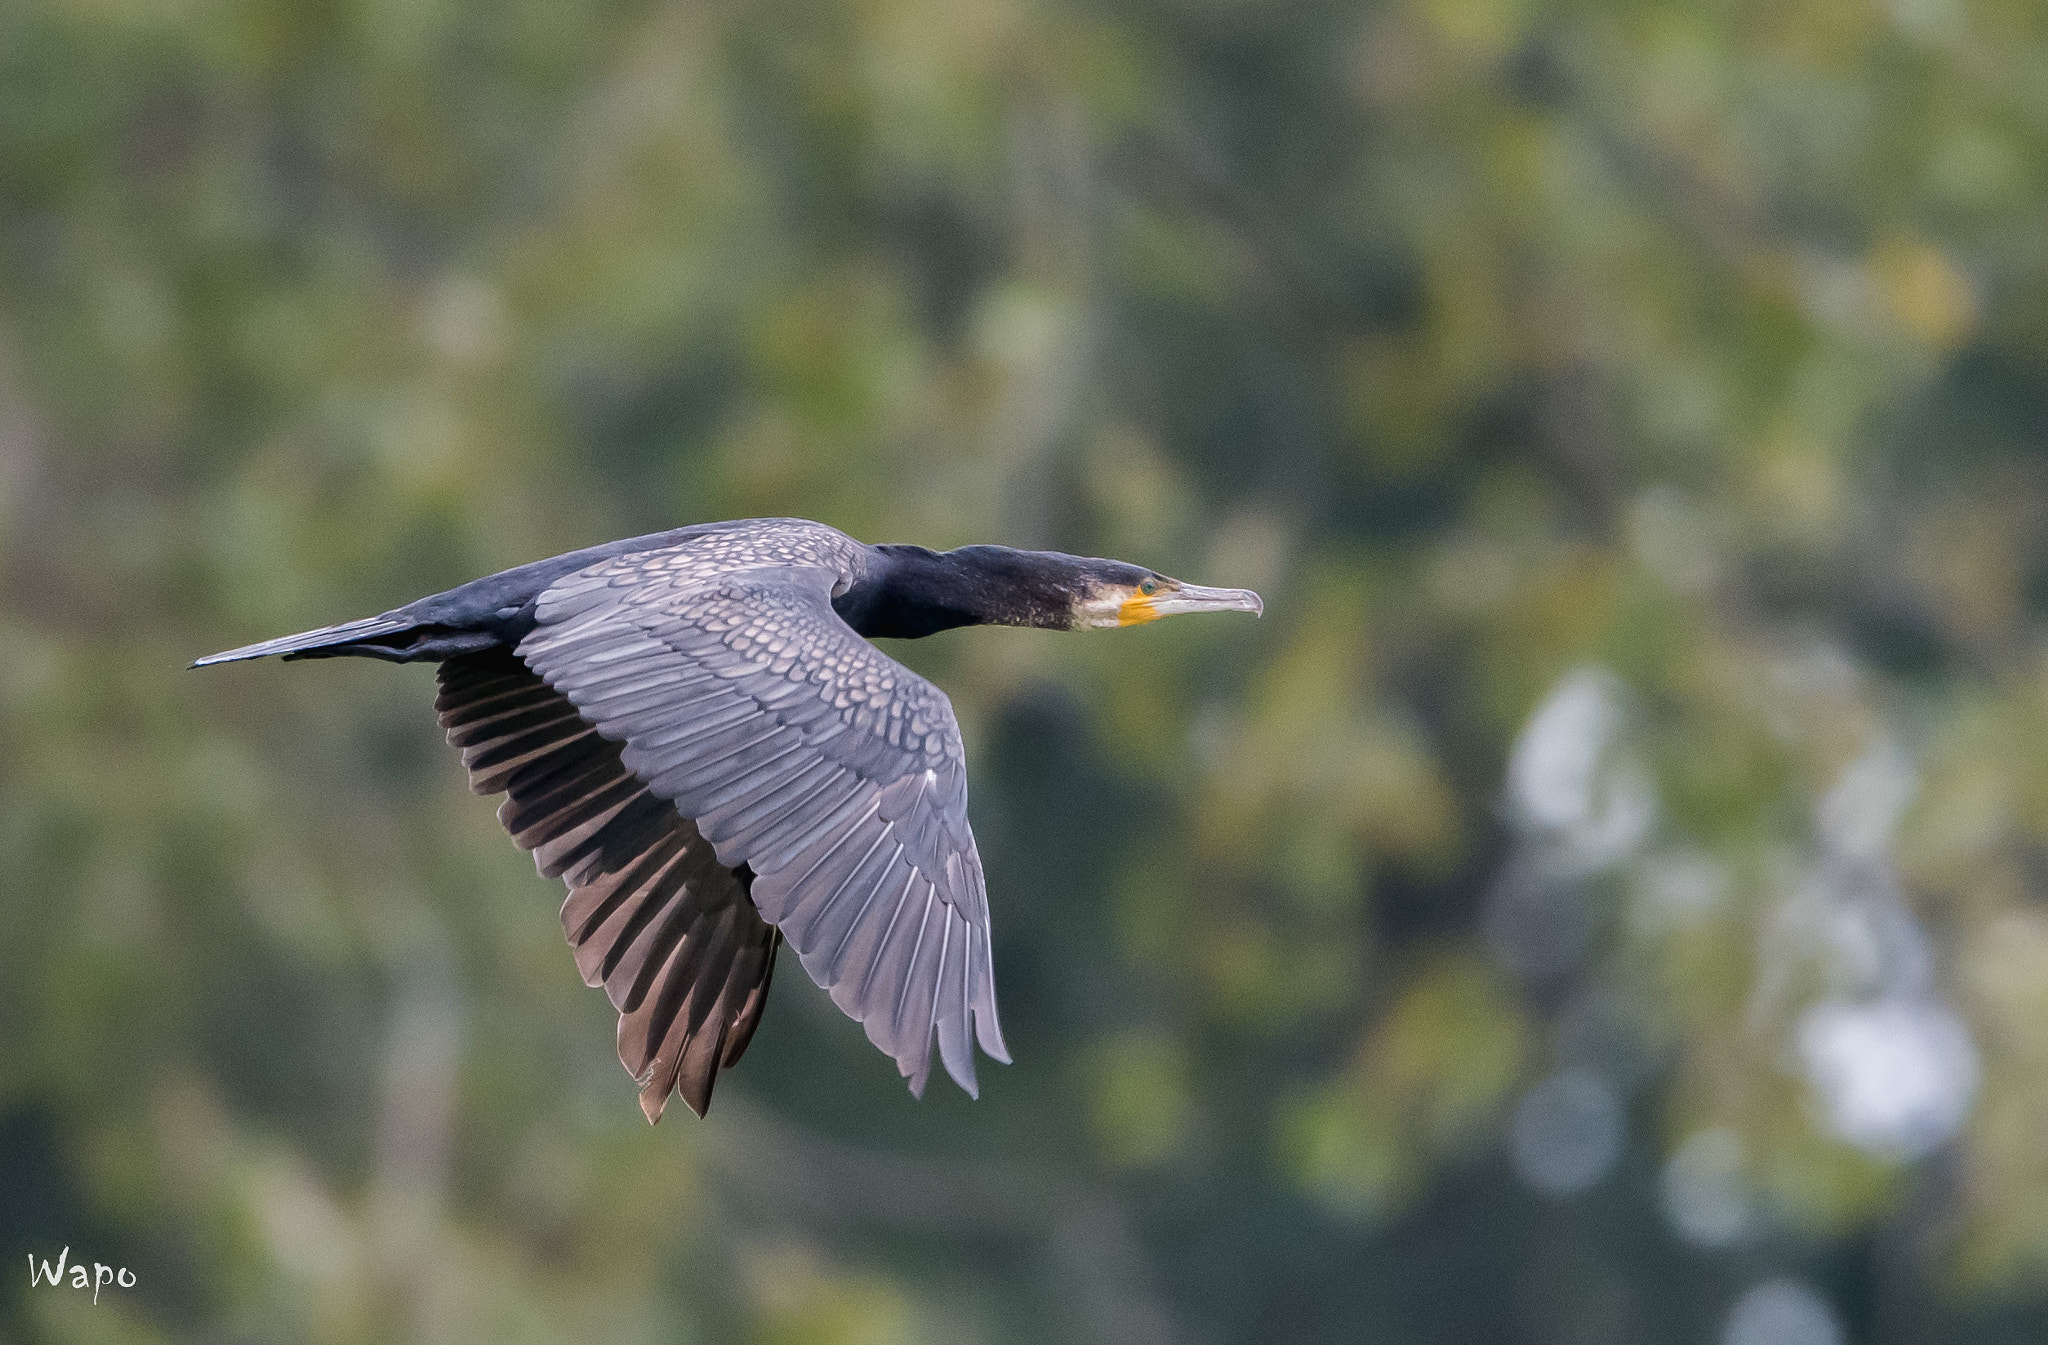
pixel 1136 612
pixel 1141 606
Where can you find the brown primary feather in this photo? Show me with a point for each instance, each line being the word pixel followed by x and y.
pixel 670 933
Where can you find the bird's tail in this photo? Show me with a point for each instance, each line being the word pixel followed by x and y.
pixel 370 636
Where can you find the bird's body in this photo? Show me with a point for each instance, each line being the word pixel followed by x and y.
pixel 693 733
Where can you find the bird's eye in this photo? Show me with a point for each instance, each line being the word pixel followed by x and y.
pixel 1149 587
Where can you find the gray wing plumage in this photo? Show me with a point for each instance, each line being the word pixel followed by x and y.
pixel 831 772
pixel 654 917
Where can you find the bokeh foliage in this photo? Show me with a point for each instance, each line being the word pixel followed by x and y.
pixel 1634 414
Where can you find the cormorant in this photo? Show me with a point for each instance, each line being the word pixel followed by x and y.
pixel 691 731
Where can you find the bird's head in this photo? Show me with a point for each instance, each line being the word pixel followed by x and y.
pixel 1062 592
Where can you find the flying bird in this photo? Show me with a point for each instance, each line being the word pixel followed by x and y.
pixel 692 730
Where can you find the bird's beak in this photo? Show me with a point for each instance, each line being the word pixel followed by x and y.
pixel 1187 598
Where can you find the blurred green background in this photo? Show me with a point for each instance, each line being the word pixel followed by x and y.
pixel 1604 900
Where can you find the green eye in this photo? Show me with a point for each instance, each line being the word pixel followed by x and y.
pixel 1149 587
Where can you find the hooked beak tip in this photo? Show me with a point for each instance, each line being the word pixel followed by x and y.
pixel 1221 600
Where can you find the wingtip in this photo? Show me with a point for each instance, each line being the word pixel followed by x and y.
pixel 989 1034
pixel 960 1069
pixel 917 1069
pixel 920 1078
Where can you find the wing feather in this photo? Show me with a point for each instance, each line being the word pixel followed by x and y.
pixel 912 1014
pixel 866 949
pixel 949 1013
pixel 652 914
pixel 838 917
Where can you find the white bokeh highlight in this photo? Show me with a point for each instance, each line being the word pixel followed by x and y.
pixel 1895 1078
pixel 1568 1132
pixel 1707 1198
pixel 1892 1067
pixel 1782 1312
pixel 1570 782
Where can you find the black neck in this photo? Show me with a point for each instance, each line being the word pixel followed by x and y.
pixel 909 592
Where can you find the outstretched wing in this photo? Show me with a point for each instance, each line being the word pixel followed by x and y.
pixel 832 772
pixel 655 918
